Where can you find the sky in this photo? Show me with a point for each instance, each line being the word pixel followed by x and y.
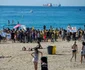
pixel 41 2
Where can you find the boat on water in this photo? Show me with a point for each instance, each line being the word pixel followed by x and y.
pixel 48 5
pixel 59 5
pixel 51 5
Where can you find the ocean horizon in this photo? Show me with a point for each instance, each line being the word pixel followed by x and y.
pixel 38 16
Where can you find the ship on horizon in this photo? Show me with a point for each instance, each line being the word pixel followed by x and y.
pixel 59 5
pixel 51 5
pixel 48 5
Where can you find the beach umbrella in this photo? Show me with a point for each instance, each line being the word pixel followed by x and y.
pixel 18 25
pixel 23 27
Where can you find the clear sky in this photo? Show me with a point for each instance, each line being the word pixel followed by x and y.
pixel 41 2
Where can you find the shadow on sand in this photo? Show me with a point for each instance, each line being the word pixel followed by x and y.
pixel 58 54
pixel 5 57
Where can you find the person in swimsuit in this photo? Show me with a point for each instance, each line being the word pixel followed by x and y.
pixel 35 56
pixel 74 50
pixel 83 51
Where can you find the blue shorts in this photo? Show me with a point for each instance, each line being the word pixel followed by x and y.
pixel 82 52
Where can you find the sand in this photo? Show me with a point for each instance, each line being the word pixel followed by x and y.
pixel 13 58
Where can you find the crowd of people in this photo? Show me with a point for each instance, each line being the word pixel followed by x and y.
pixel 33 35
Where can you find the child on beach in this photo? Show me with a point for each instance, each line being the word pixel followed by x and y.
pixel 83 51
pixel 35 56
pixel 74 50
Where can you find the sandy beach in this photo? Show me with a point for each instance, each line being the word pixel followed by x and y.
pixel 13 58
pixel 42 23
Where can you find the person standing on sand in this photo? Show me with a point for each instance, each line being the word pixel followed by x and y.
pixel 35 56
pixel 83 51
pixel 74 51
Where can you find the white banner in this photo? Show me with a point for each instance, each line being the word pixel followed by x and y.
pixel 71 29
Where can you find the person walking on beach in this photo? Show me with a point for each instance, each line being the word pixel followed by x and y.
pixel 74 51
pixel 39 45
pixel 83 51
pixel 35 56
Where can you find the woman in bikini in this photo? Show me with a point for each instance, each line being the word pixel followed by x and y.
pixel 74 51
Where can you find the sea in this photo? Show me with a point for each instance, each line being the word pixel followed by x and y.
pixel 38 16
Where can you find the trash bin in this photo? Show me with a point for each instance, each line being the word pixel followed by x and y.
pixel 54 50
pixel 44 63
pixel 50 48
